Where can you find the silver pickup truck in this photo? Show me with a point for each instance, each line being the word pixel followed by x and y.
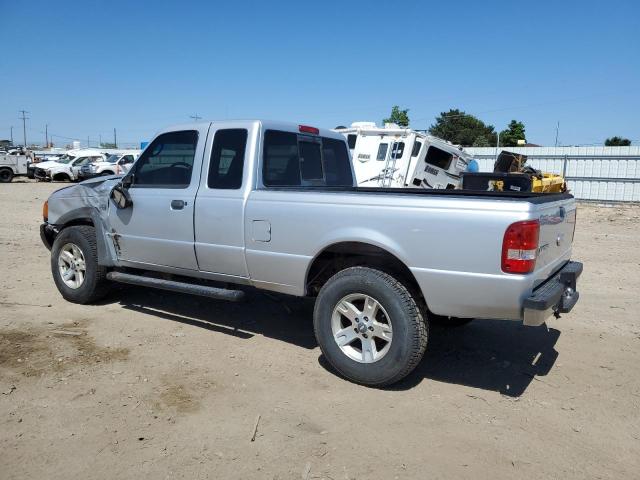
pixel 274 206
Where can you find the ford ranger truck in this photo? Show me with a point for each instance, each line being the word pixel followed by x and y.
pixel 274 206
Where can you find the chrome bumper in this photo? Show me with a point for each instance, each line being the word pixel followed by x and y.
pixel 557 295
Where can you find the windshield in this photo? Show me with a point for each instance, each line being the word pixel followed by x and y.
pixel 113 158
pixel 65 159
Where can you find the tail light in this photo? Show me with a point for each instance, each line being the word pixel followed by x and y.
pixel 45 211
pixel 520 247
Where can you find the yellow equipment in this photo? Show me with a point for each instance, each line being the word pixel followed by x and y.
pixel 510 174
pixel 541 182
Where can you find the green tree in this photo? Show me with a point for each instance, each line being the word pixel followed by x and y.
pixel 108 145
pixel 617 142
pixel 463 129
pixel 481 141
pixel 399 117
pixel 514 132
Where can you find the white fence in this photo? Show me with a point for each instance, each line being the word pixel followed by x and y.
pixel 592 173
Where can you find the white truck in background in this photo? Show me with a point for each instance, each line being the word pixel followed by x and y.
pixel 395 157
pixel 13 165
pixel 68 170
pixel 116 164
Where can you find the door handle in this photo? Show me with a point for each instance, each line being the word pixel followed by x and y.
pixel 177 204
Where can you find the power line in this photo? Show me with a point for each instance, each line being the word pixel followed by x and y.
pixel 24 126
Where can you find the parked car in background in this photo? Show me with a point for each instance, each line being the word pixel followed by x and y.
pixel 44 165
pixel 116 164
pixel 68 170
pixel 275 206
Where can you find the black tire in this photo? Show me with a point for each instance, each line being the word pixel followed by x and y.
pixel 61 177
pixel 410 329
pixel 95 285
pixel 106 173
pixel 6 175
pixel 449 322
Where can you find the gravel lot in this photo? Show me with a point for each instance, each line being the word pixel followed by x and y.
pixel 153 384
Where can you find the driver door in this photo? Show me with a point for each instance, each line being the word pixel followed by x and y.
pixel 157 229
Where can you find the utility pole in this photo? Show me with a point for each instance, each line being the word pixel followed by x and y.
pixel 195 117
pixel 12 135
pixel 497 145
pixel 115 139
pixel 88 144
pixel 557 128
pixel 46 136
pixel 24 126
pixel 100 140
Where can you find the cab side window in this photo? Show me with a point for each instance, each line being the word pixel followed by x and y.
pixel 227 159
pixel 167 162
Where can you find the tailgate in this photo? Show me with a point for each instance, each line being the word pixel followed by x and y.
pixel 557 227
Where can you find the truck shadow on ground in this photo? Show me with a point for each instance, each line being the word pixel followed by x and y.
pixel 494 355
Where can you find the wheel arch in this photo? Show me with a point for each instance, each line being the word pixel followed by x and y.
pixel 60 176
pixel 345 254
pixel 90 217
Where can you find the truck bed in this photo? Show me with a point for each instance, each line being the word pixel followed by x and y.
pixel 530 197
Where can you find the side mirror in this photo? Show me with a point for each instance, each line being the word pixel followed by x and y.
pixel 120 196
pixel 127 181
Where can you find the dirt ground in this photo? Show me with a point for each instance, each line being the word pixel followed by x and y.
pixel 158 385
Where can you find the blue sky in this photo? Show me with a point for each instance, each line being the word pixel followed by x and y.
pixel 88 66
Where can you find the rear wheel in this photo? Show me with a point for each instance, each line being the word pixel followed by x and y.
pixel 6 175
pixel 369 327
pixel 74 265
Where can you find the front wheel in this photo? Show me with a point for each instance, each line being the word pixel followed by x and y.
pixel 74 265
pixel 6 175
pixel 369 327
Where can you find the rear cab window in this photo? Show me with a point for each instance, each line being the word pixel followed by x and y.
pixel 294 160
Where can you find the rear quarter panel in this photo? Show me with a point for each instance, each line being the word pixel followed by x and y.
pixel 452 245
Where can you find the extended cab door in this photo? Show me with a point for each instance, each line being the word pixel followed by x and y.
pixel 158 228
pixel 220 204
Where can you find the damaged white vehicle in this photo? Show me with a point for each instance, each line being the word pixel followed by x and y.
pixel 214 208
pixel 397 157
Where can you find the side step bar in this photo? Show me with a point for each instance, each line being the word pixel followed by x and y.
pixel 181 287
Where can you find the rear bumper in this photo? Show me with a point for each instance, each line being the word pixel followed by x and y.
pixel 557 295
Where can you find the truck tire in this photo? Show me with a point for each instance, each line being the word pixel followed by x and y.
pixel 74 265
pixel 61 177
pixel 6 175
pixel 449 322
pixel 369 327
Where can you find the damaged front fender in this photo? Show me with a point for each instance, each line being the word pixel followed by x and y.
pixel 85 203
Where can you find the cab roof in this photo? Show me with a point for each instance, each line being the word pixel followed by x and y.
pixel 265 124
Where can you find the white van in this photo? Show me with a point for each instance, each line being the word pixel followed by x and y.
pixel 396 157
